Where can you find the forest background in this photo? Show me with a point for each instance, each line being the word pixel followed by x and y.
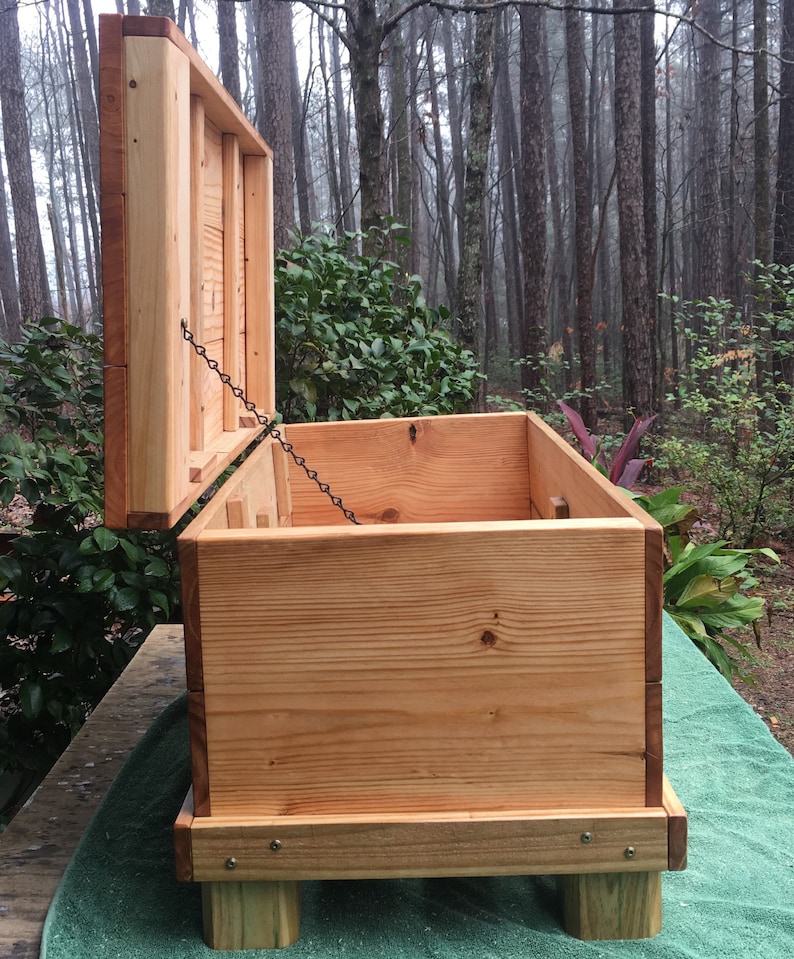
pixel 554 166
pixel 597 200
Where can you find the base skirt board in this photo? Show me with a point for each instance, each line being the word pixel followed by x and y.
pixel 324 847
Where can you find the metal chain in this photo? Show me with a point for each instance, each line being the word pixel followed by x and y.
pixel 270 428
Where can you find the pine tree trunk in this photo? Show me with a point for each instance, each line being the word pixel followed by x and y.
pixel 533 199
pixel 574 46
pixel 481 108
pixel 34 293
pixel 229 48
pixel 9 291
pixel 273 25
pixel 365 36
pixel 638 342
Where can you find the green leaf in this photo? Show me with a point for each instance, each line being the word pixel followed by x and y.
pixel 31 698
pixel 105 539
pixel 102 580
pixel 157 567
pixel 126 599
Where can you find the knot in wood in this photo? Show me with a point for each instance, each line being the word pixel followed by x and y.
pixel 488 638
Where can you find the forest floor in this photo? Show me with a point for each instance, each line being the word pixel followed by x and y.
pixel 771 693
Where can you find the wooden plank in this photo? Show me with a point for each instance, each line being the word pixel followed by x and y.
pixel 654 602
pixel 677 828
pixel 654 750
pixel 112 161
pixel 114 279
pixel 254 480
pixel 251 915
pixel 259 275
pixel 191 613
pixel 283 487
pixel 158 205
pixel 115 383
pixel 221 107
pixel 198 367
pixel 374 705
pixel 556 469
pixel 622 906
pixel 198 754
pixel 442 469
pixel 546 843
pixel 559 508
pixel 238 513
pixel 40 841
pixel 231 277
pixel 183 855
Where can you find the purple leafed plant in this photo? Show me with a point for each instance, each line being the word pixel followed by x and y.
pixel 625 469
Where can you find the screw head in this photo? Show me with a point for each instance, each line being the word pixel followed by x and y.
pixel 586 837
pixel 630 852
pixel 275 845
pixel 231 863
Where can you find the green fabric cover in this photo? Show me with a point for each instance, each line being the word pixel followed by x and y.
pixel 119 899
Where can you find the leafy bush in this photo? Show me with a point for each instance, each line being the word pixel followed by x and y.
pixel 738 410
pixel 77 598
pixel 704 586
pixel 356 340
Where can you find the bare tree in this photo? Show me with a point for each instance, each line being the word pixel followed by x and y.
pixel 274 45
pixel 533 198
pixel 481 108
pixel 34 292
pixel 638 387
pixel 574 46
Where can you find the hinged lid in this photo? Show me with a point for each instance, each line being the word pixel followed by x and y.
pixel 186 207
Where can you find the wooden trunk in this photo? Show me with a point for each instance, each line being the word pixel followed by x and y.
pixel 466 683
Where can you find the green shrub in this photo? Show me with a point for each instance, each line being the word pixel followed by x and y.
pixel 77 598
pixel 705 586
pixel 736 428
pixel 356 340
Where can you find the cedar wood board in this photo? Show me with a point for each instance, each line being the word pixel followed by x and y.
pixel 185 179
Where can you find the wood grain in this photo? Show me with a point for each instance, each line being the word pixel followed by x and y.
pixel 198 754
pixel 112 166
pixel 617 906
pixel 114 278
pixel 221 107
pixel 461 675
pixel 154 235
pixel 231 277
pixel 115 388
pixel 556 469
pixel 191 613
pixel 183 855
pixel 197 366
pixel 524 844
pixel 259 272
pixel 654 749
pixel 251 915
pixel 677 828
pixel 158 248
pixel 431 469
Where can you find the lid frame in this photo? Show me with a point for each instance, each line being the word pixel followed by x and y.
pixel 187 234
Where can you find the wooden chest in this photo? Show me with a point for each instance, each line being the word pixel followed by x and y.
pixel 466 683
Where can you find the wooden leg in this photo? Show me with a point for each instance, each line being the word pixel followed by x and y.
pixel 624 905
pixel 251 915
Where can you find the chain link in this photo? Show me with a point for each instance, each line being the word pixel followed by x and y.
pixel 270 428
